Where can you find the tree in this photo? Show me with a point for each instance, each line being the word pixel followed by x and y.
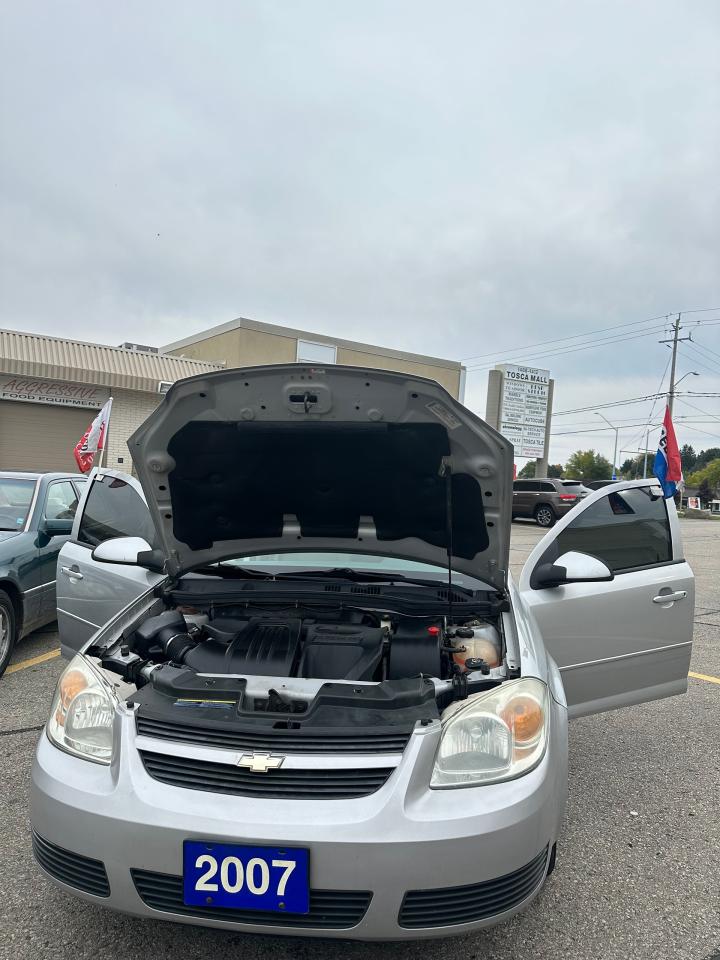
pixel 632 469
pixel 528 471
pixel 687 457
pixel 588 465
pixel 706 480
pixel 704 458
pixel 704 491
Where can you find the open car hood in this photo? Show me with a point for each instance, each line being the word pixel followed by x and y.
pixel 339 459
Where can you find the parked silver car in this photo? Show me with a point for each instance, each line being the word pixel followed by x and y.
pixel 330 710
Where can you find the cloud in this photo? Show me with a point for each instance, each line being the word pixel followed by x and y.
pixel 451 179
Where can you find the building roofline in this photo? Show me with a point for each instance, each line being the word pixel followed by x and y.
pixel 271 328
pixel 39 356
pixel 107 346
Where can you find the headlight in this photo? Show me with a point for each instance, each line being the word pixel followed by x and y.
pixel 81 716
pixel 492 736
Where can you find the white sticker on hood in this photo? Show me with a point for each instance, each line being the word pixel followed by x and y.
pixel 443 414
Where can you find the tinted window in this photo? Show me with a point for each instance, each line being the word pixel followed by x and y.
pixel 61 501
pixel 526 485
pixel 114 509
pixel 547 487
pixel 625 530
pixel 571 483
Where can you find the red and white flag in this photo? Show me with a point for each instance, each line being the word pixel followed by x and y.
pixel 93 439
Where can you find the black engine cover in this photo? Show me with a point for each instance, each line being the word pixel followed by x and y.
pixel 257 647
pixel 337 651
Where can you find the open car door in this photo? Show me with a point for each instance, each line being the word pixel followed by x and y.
pixel 613 598
pixel 89 593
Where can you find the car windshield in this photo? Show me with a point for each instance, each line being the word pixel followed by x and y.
pixel 15 499
pixel 571 483
pixel 274 563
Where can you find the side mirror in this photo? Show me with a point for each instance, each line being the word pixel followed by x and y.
pixel 571 567
pixel 56 528
pixel 121 550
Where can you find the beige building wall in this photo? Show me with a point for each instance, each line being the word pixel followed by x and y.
pixel 450 379
pixel 241 346
pixel 130 408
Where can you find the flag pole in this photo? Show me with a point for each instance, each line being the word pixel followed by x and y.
pixel 106 437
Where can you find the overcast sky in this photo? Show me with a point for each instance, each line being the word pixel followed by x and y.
pixel 455 178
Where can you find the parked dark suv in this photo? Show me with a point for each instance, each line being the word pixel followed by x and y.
pixel 545 500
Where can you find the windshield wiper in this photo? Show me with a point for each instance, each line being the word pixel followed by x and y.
pixel 365 576
pixel 230 571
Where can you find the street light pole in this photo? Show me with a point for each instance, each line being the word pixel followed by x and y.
pixel 616 429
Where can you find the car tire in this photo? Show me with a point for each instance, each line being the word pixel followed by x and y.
pixel 551 861
pixel 7 630
pixel 545 515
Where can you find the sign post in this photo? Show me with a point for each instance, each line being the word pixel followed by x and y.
pixel 519 406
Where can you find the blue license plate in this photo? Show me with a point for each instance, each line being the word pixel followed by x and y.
pixel 276 879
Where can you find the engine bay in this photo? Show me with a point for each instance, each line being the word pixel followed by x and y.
pixel 316 664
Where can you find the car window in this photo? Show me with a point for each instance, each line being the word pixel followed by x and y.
pixel 626 530
pixel 15 499
pixel 114 509
pixel 571 483
pixel 547 487
pixel 61 501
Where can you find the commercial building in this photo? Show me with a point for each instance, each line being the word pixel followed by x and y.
pixel 51 387
pixel 244 343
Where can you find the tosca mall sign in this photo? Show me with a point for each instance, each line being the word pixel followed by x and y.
pixel 524 408
pixel 57 392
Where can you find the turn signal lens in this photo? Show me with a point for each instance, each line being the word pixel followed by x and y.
pixel 525 718
pixel 71 684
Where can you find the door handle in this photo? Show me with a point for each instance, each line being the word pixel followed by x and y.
pixel 69 572
pixel 670 597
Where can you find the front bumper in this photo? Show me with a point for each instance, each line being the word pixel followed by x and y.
pixel 379 865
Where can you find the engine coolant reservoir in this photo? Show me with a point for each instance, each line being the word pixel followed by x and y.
pixel 483 645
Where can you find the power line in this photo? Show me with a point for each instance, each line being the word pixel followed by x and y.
pixel 610 403
pixel 573 336
pixel 701 351
pixel 562 352
pixel 629 426
pixel 646 427
pixel 587 333
pixel 696 354
pixel 705 412
pixel 702 346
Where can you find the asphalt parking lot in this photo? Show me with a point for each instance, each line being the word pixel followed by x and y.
pixel 638 871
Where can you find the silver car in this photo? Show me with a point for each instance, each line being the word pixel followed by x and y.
pixel 325 707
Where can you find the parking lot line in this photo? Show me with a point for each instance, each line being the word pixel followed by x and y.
pixel 704 676
pixel 31 663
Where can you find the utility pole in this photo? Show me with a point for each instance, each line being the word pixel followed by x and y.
pixel 675 341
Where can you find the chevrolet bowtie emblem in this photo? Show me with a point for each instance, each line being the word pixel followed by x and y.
pixel 260 762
